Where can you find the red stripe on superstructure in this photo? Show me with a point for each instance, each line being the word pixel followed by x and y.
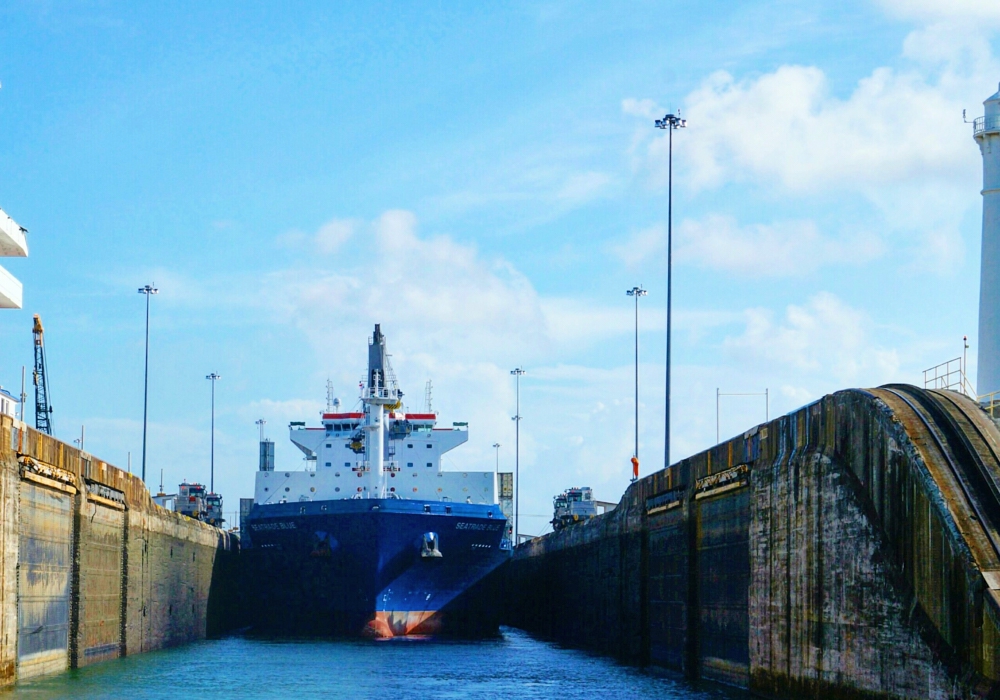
pixel 422 416
pixel 342 416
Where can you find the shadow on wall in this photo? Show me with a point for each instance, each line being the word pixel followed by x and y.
pixel 225 612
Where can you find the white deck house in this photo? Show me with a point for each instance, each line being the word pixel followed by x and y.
pixel 13 244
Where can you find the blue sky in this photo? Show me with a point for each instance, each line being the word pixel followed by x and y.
pixel 486 182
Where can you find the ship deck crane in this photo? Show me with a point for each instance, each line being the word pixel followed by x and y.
pixel 43 411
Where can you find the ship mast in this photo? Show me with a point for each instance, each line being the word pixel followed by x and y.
pixel 381 391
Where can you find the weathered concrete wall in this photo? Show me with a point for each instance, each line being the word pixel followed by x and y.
pixel 90 568
pixel 828 553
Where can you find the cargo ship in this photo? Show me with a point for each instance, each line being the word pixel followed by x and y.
pixel 372 537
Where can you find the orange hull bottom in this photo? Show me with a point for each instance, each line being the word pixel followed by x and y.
pixel 386 624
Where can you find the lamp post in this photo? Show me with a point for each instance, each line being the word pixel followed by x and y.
pixel 636 292
pixel 669 122
pixel 148 290
pixel 517 372
pixel 496 446
pixel 213 377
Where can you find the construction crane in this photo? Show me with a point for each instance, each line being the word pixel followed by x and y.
pixel 43 411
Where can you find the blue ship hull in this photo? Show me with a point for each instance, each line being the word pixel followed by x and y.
pixel 360 566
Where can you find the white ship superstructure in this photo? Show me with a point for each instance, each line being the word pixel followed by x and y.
pixel 379 451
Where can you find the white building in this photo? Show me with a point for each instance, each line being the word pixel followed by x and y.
pixel 8 404
pixel 13 244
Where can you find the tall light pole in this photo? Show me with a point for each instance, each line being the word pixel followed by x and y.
pixel 517 372
pixel 669 122
pixel 496 446
pixel 213 377
pixel 148 290
pixel 636 292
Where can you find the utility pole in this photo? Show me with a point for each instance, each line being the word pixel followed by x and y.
pixel 213 377
pixel 148 290
pixel 24 397
pixel 636 292
pixel 517 372
pixel 669 122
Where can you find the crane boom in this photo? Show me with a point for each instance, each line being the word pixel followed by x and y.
pixel 43 411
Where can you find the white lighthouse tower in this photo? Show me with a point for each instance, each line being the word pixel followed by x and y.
pixel 986 130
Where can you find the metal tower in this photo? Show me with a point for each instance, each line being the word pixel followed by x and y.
pixel 43 411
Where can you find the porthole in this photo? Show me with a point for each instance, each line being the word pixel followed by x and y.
pixel 287 475
pixel 414 489
pixel 287 489
pixel 429 446
pixel 430 464
pixel 329 464
pixel 313 489
pixel 337 474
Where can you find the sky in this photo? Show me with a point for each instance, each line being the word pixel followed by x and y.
pixel 485 181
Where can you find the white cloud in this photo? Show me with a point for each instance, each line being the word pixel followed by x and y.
pixel 788 248
pixel 938 251
pixel 898 126
pixel 825 337
pixel 788 128
pixel 719 242
pixel 643 246
pixel 583 187
pixel 280 413
pixel 647 109
pixel 334 234
pixel 965 11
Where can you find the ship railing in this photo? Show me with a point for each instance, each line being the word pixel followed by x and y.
pixel 991 404
pixel 951 376
pixel 981 125
pixel 380 392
